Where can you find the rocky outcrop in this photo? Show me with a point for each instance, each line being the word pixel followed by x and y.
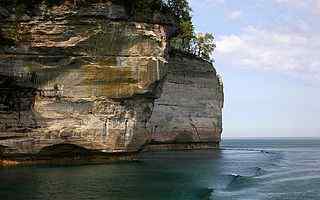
pixel 189 111
pixel 85 76
pixel 81 80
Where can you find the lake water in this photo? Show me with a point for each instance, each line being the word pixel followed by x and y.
pixel 247 169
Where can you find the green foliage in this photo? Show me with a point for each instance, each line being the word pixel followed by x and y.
pixel 182 13
pixel 179 10
pixel 185 39
pixel 144 9
pixel 139 8
pixel 185 35
pixel 203 45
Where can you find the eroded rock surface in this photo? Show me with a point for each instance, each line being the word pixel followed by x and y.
pixel 84 79
pixel 189 111
pixel 85 75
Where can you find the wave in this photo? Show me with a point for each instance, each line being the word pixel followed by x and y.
pixel 267 153
pixel 290 175
pixel 258 171
pixel 238 182
pixel 242 149
pixel 232 182
pixel 253 150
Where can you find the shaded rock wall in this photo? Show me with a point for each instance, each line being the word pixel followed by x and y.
pixel 84 75
pixel 83 79
pixel 190 107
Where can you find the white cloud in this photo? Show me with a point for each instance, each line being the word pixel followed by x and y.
pixel 317 7
pixel 292 2
pixel 294 53
pixel 313 5
pixel 296 3
pixel 211 2
pixel 234 15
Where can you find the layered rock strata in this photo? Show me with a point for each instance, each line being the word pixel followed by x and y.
pixel 188 115
pixel 89 81
pixel 85 76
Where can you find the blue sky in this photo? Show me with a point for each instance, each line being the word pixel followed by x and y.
pixel 268 52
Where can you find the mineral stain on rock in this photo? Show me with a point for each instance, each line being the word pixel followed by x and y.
pixel 91 84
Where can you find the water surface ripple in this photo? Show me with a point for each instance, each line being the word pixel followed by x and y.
pixel 251 169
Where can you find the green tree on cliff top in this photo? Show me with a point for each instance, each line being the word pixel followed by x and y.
pixel 203 45
pixel 182 13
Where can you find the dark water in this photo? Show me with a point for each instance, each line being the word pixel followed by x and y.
pixel 245 169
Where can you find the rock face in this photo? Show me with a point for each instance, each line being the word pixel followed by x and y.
pixel 189 111
pixel 85 78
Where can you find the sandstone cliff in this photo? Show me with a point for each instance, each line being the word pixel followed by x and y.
pixel 188 114
pixel 82 79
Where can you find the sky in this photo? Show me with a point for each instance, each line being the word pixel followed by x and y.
pixel 268 53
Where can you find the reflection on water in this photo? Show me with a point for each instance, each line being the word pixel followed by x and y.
pixel 245 169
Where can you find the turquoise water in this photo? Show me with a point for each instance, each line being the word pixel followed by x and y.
pixel 269 169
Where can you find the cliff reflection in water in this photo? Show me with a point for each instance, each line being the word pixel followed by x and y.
pixel 166 175
pixel 245 169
